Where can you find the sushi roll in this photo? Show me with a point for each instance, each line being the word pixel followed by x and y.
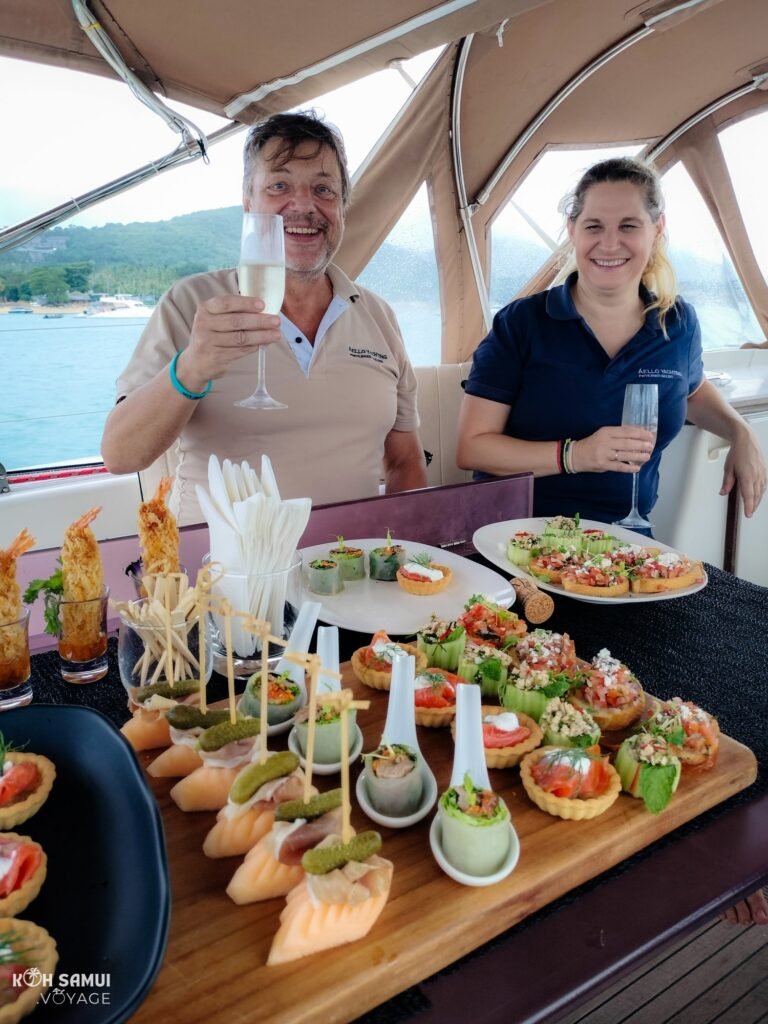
pixel 23 867
pixel 692 734
pixel 475 828
pixel 648 770
pixel 547 669
pixel 423 577
pixel 324 577
pixel 442 643
pixel 486 666
pixel 284 697
pixel 520 547
pixel 393 779
pixel 344 892
pixel 570 783
pixel 327 731
pixel 567 726
pixel 351 561
pixel 384 562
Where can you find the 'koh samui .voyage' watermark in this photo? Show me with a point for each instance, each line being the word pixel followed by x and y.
pixel 67 989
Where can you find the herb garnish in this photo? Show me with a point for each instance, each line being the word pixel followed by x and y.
pixel 53 588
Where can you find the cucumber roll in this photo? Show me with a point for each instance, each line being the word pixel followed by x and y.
pixel 384 562
pixel 566 726
pixel 564 528
pixel 529 690
pixel 327 732
pixel 324 577
pixel 351 561
pixel 520 546
pixel 475 828
pixel 393 779
pixel 283 697
pixel 598 542
pixel 648 770
pixel 484 665
pixel 442 643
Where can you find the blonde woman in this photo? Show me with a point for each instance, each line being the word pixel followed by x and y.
pixel 546 390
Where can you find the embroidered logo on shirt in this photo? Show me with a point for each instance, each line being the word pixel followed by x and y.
pixel 659 373
pixel 368 353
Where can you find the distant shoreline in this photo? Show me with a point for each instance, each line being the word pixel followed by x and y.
pixel 74 308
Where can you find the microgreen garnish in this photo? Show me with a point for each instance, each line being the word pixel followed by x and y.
pixel 424 559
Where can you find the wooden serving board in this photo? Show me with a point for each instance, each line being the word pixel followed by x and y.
pixel 215 967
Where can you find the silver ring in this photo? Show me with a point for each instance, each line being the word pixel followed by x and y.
pixel 614 456
pixel 241 338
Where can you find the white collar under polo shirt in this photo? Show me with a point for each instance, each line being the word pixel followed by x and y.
pixel 344 293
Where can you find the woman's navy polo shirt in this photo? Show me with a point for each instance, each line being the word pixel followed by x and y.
pixel 543 361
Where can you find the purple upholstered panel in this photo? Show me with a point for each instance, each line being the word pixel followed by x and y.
pixel 441 516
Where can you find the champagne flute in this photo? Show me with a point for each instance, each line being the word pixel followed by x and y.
pixel 262 275
pixel 641 409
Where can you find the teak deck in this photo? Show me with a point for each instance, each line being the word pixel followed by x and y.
pixel 215 967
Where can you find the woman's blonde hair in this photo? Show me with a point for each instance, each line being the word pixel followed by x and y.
pixel 659 275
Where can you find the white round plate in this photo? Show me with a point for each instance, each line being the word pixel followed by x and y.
pixel 491 541
pixel 326 769
pixel 436 842
pixel 429 797
pixel 368 605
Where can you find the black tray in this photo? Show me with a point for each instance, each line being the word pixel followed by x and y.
pixel 106 899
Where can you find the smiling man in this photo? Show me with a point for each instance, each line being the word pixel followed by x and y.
pixel 335 359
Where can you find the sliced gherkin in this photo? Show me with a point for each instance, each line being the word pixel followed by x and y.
pixel 166 690
pixel 219 736
pixel 314 808
pixel 187 716
pixel 327 858
pixel 255 775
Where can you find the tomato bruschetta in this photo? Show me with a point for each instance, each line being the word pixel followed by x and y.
pixel 597 577
pixel 612 695
pixel 667 571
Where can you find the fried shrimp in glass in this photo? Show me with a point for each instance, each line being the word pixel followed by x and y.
pixel 10 592
pixel 82 575
pixel 158 533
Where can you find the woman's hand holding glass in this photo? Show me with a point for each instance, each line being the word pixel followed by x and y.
pixel 612 450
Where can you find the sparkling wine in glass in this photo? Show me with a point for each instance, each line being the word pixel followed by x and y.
pixel 641 409
pixel 262 275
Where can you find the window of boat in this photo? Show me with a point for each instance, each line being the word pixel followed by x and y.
pixel 114 260
pixel 706 276
pixel 529 226
pixel 745 145
pixel 404 272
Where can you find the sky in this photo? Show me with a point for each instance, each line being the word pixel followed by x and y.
pixel 94 130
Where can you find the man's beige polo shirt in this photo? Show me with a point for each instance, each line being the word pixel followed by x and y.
pixel 329 443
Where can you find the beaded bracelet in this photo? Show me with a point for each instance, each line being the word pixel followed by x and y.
pixel 566 455
pixel 180 387
pixel 560 457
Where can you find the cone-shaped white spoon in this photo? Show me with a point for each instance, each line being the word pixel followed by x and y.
pixel 328 649
pixel 469 759
pixel 400 727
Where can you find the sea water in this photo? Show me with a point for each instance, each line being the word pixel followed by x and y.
pixel 57 385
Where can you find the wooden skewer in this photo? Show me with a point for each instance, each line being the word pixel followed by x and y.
pixel 344 700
